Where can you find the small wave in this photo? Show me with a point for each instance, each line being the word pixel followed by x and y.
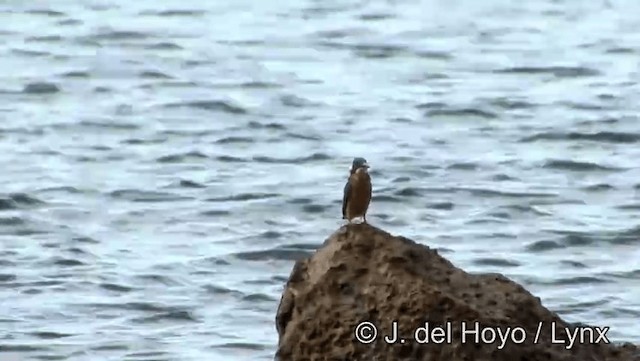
pixel 578 280
pixel 409 192
pixel 256 84
pixel 116 287
pixel 270 235
pixel 110 347
pixel 583 106
pixel 173 316
pixel 632 206
pixel 69 22
pixel 635 274
pixel 491 219
pixel 240 346
pixel 12 221
pixel 461 112
pixel 210 105
pixel 574 264
pixel 257 125
pixel 299 160
pixel 557 71
pixel 158 279
pixel 433 54
pixel 463 166
pixel 401 120
pixel 276 254
pixel 163 46
pixel 600 187
pixel 525 208
pixel 401 180
pixel 84 239
pixel 18 201
pixel 230 159
pixel 483 192
pixel 576 166
pixel 4 277
pixel 213 261
pixel 295 101
pixel 244 197
pixel 102 89
pixel 604 137
pixel 499 214
pixel 66 262
pixel 49 335
pixel 620 311
pixel 185 183
pixel 582 306
pixel 219 290
pixel 577 239
pixel 21 348
pixel 181 157
pixel 497 262
pixel 233 140
pixel 511 104
pixel 138 141
pixel 306 246
pixel 431 105
pixel 142 355
pixel 76 74
pixel 314 208
pixel 443 206
pixel 628 236
pixel 215 213
pixel 620 50
pixel 300 201
pixel 175 13
pixel 107 124
pixel 368 51
pixel 31 53
pixel 258 297
pixel 153 74
pixel 117 35
pixel 541 246
pixel 41 88
pixel 335 34
pixel 135 195
pixel 376 16
pixel 46 12
pixel 158 312
pixel 45 39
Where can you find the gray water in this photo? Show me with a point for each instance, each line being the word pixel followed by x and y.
pixel 163 166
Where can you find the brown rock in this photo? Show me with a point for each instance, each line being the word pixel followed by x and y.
pixel 362 273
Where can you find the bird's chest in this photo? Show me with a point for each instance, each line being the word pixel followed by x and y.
pixel 361 187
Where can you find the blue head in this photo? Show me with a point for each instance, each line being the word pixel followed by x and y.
pixel 359 163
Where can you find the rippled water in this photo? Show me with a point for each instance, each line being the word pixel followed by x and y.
pixel 163 167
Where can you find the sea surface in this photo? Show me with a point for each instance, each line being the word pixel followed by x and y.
pixel 163 164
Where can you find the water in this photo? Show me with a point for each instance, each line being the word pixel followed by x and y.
pixel 163 167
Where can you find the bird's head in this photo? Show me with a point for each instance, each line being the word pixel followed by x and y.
pixel 359 164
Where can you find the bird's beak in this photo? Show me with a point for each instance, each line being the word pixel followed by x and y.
pixel 366 165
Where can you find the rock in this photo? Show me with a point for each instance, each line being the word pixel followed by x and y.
pixel 362 273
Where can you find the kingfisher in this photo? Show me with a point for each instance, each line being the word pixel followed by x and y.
pixel 357 191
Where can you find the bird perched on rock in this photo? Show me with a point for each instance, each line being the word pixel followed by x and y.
pixel 357 191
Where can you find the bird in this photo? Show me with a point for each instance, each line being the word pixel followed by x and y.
pixel 357 192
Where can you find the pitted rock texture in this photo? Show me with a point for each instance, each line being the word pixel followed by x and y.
pixel 362 273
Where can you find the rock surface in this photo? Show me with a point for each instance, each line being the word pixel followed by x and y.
pixel 362 273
